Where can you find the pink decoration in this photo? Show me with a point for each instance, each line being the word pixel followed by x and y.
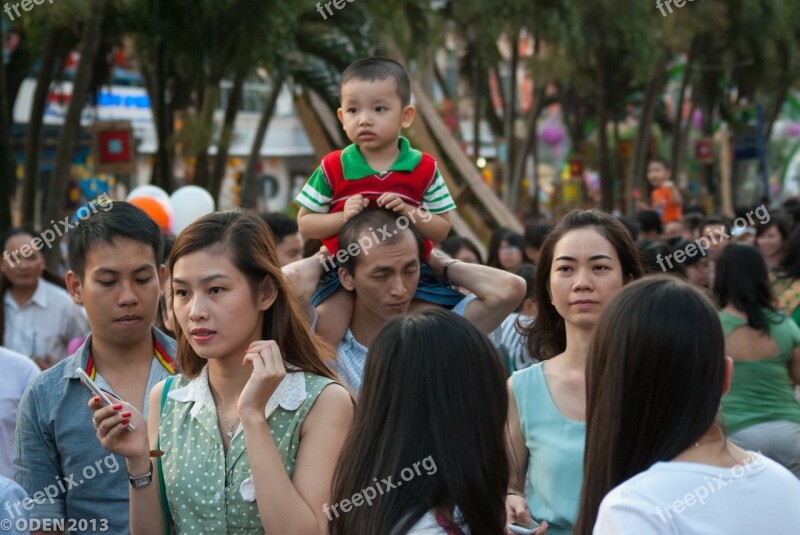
pixel 74 344
pixel 552 135
pixel 697 119
pixel 793 130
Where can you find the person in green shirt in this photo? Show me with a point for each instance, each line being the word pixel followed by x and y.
pixel 760 412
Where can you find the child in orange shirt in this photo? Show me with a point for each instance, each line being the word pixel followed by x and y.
pixel 666 199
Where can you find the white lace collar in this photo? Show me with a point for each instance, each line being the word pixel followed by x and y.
pixel 290 394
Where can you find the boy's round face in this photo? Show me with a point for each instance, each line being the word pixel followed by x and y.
pixel 656 173
pixel 372 113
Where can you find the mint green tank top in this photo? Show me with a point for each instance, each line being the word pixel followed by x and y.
pixel 555 452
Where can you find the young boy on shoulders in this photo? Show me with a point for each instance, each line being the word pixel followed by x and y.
pixel 379 169
pixel 116 274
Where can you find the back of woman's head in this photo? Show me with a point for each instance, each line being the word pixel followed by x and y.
pixel 742 281
pixel 547 336
pixel 248 243
pixel 654 380
pixel 433 393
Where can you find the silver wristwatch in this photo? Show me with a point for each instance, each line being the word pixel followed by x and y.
pixel 142 481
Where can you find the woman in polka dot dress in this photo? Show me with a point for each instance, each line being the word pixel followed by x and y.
pixel 247 449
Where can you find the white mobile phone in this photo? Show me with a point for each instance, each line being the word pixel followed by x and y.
pixel 88 383
pixel 523 528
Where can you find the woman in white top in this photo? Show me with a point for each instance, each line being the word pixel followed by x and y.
pixel 656 459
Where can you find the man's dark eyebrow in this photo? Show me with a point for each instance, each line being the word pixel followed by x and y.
pixel 109 271
pixel 204 279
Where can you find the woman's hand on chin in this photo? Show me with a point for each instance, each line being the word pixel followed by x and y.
pixel 268 372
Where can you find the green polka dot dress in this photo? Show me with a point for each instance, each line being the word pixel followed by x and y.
pixel 208 491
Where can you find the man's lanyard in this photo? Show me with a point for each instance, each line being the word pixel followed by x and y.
pixel 160 354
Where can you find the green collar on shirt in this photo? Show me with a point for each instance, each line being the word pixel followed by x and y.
pixel 356 167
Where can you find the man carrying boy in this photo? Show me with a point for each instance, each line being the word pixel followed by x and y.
pixel 383 281
pixel 378 170
pixel 116 274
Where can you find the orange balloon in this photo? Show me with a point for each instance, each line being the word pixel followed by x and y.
pixel 154 209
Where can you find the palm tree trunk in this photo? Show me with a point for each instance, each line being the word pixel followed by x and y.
pixel 224 143
pixel 249 178
pixel 90 44
pixel 606 180
pixel 638 161
pixel 677 131
pixel 531 138
pixel 7 167
pixel 511 195
pixel 201 171
pixel 162 167
pixel 50 56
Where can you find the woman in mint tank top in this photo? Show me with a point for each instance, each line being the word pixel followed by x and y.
pixel 252 429
pixel 585 261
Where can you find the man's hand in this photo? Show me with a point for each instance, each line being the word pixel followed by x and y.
pixel 393 202
pixel 354 206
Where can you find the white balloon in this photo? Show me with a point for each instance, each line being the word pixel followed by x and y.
pixel 148 191
pixel 189 204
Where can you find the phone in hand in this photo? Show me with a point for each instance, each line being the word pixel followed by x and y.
pixel 88 383
pixel 524 528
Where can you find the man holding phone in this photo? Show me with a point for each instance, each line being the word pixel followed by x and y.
pixel 116 274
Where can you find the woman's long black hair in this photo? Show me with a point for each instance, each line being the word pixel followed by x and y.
pixel 742 280
pixel 433 404
pixel 654 381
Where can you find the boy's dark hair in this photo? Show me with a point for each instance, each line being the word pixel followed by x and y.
pixel 715 220
pixel 535 234
pixel 376 68
pixel 659 159
pixel 649 220
pixel 124 220
pixel 281 225
pixel 631 225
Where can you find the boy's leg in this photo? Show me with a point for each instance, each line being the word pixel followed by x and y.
pixel 335 314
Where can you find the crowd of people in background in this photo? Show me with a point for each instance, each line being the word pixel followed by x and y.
pixel 591 376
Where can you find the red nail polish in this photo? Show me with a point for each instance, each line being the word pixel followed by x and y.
pixel 126 414
pixel 118 407
pixel 126 421
pixel 96 399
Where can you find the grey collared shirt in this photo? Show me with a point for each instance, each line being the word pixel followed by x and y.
pixel 351 355
pixel 58 459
